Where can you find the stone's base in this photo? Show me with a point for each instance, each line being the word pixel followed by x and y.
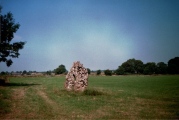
pixel 77 78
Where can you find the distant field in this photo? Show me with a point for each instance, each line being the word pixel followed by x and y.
pixel 107 97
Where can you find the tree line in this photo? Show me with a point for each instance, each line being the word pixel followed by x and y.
pixel 133 66
pixel 61 69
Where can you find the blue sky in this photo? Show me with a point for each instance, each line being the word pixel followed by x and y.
pixel 101 34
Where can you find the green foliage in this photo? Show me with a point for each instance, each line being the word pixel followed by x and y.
pixel 131 66
pixel 108 72
pixel 60 70
pixel 161 68
pixel 24 72
pixel 4 73
pixel 98 72
pixel 120 71
pixel 7 48
pixel 150 68
pixel 173 65
pixel 139 66
pixel 49 72
pixel 89 71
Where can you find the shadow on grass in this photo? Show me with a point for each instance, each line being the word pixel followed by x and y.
pixel 93 92
pixel 17 84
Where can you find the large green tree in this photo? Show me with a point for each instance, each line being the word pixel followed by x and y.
pixel 8 48
pixel 139 66
pixel 161 68
pixel 108 72
pixel 150 68
pixel 132 66
pixel 173 65
pixel 120 71
pixel 60 70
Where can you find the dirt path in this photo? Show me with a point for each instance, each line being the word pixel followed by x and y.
pixel 17 100
pixel 42 94
pixel 55 110
pixel 22 99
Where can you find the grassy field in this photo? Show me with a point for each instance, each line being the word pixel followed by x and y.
pixel 107 97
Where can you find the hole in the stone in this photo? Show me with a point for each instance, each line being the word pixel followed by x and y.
pixel 74 77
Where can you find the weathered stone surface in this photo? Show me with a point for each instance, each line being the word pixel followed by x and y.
pixel 77 78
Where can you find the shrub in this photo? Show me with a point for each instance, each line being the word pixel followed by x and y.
pixel 89 71
pixel 108 72
pixel 98 72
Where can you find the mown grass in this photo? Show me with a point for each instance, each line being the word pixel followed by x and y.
pixel 107 97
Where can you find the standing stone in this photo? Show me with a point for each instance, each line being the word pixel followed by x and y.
pixel 77 78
